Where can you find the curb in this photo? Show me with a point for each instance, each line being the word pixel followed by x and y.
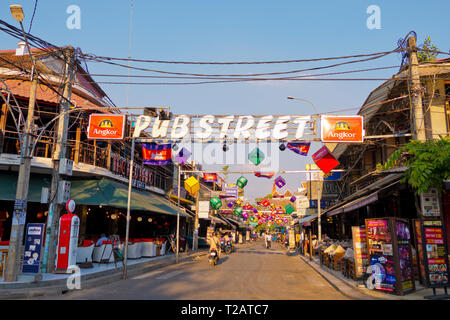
pixel 58 287
pixel 351 292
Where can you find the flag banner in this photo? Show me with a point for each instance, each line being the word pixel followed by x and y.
pixel 157 154
pixel 325 160
pixel 210 177
pixel 267 175
pixel 300 148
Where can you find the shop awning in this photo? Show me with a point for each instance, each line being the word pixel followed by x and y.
pixel 307 219
pixel 355 204
pixel 114 194
pixel 8 186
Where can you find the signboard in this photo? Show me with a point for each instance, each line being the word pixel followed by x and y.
pixel 347 129
pixel 203 209
pixel 388 245
pixel 323 203
pixel 218 127
pixel 430 203
pixel 141 175
pixel 106 126
pixel 33 245
pixel 360 251
pixel 379 245
pixel 435 258
pixel 231 191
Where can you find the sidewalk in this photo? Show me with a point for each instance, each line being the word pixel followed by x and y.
pixel 54 284
pixel 357 289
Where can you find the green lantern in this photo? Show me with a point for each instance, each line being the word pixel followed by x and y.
pixel 241 182
pixel 215 203
pixel 238 211
pixel 256 156
pixel 289 209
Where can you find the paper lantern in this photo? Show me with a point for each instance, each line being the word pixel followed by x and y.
pixel 241 182
pixel 238 202
pixel 289 209
pixel 183 156
pixel 256 156
pixel 192 185
pixel 238 211
pixel 215 203
pixel 230 204
pixel 255 210
pixel 325 160
pixel 265 203
pixel 280 182
pixel 293 198
pixel 245 215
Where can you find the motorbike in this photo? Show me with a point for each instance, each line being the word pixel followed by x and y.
pixel 268 244
pixel 227 247
pixel 213 257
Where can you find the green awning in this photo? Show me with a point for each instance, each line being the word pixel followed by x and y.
pixel 91 192
pixel 8 186
pixel 114 194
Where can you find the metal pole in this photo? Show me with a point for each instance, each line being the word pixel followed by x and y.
pixel 130 181
pixel 319 197
pixel 48 261
pixel 178 215
pixel 23 180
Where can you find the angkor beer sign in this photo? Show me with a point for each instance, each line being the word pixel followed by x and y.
pixel 342 128
pixel 106 126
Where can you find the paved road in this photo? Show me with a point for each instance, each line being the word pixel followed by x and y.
pixel 252 272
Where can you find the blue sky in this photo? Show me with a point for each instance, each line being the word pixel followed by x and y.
pixel 243 30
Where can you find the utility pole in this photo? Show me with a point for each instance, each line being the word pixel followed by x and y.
pixel 418 119
pixel 195 236
pixel 48 263
pixel 13 266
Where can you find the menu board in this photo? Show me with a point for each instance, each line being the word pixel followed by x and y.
pixel 419 246
pixel 404 255
pixel 381 253
pixel 360 250
pixel 435 253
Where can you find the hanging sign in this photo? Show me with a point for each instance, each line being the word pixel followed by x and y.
pixel 218 127
pixel 342 129
pixel 106 126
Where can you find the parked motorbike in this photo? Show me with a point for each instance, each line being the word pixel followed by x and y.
pixel 213 257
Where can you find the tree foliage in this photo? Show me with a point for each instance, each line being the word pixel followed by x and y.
pixel 429 52
pixel 427 163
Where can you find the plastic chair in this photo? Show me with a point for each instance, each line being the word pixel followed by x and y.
pixel 84 252
pixel 134 249
pixel 103 253
pixel 148 248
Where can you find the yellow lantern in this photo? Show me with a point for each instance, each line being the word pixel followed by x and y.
pixel 192 185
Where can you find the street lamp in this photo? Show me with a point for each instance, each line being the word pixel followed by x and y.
pixel 319 193
pixel 23 180
pixel 301 99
